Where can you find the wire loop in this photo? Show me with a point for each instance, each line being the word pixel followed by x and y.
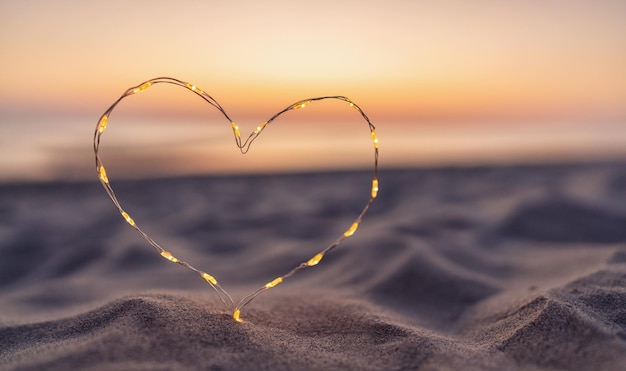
pixel 243 146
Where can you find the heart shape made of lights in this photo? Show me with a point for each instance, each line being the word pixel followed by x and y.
pixel 244 146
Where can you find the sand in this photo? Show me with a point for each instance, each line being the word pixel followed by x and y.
pixel 490 268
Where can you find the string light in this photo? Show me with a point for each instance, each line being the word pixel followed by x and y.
pixel 244 146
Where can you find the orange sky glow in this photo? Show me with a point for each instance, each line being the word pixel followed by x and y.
pixel 445 82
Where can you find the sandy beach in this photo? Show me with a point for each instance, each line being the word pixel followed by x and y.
pixel 475 268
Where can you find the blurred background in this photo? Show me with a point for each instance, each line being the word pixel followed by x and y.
pixel 446 83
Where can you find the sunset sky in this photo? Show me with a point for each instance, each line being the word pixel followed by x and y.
pixel 445 82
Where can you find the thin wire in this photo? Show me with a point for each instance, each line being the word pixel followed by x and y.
pixel 244 147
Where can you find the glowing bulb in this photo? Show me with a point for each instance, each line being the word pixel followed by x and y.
pixel 143 87
pixel 236 315
pixel 235 129
pixel 277 281
pixel 375 139
pixel 207 277
pixel 301 104
pixel 103 124
pixel 351 230
pixel 194 88
pixel 103 175
pixel 260 128
pixel 168 255
pixel 374 188
pixel 129 220
pixel 314 260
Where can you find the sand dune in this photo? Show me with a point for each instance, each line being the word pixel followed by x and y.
pixel 474 268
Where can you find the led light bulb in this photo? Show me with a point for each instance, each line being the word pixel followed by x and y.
pixel 273 283
pixel 351 230
pixel 374 188
pixel 103 124
pixel 260 128
pixel 102 174
pixel 168 255
pixel 128 219
pixel 194 88
pixel 143 87
pixel 235 129
pixel 207 277
pixel 375 139
pixel 237 315
pixel 301 104
pixel 315 260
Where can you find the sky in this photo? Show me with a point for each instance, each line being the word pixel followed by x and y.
pixel 445 82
